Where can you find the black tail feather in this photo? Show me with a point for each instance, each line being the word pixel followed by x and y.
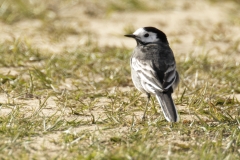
pixel 166 102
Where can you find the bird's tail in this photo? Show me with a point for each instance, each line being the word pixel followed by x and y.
pixel 166 102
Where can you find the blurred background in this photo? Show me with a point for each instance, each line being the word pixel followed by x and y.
pixel 64 24
pixel 66 89
pixel 203 34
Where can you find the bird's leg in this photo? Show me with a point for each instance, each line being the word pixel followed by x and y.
pixel 145 111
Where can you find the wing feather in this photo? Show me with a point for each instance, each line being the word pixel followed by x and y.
pixel 149 77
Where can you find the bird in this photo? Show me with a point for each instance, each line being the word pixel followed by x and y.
pixel 153 69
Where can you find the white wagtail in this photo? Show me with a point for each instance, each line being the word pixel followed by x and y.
pixel 153 69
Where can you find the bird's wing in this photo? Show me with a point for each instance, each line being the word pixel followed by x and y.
pixel 147 74
pixel 170 76
pixel 150 79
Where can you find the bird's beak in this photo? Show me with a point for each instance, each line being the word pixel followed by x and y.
pixel 131 36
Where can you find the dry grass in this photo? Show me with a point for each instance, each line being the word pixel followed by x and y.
pixel 66 91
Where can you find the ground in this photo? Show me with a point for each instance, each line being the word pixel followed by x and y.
pixel 66 90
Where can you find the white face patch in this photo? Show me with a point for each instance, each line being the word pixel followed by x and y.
pixel 141 34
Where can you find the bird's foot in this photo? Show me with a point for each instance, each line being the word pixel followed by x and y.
pixel 144 118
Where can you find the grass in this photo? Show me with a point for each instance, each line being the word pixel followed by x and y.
pixel 81 103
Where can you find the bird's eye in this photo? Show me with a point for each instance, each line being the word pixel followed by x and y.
pixel 146 35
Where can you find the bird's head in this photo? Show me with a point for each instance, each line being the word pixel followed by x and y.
pixel 148 35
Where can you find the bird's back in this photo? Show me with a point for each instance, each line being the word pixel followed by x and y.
pixel 160 55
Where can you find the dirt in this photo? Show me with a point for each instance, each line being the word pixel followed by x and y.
pixel 182 25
